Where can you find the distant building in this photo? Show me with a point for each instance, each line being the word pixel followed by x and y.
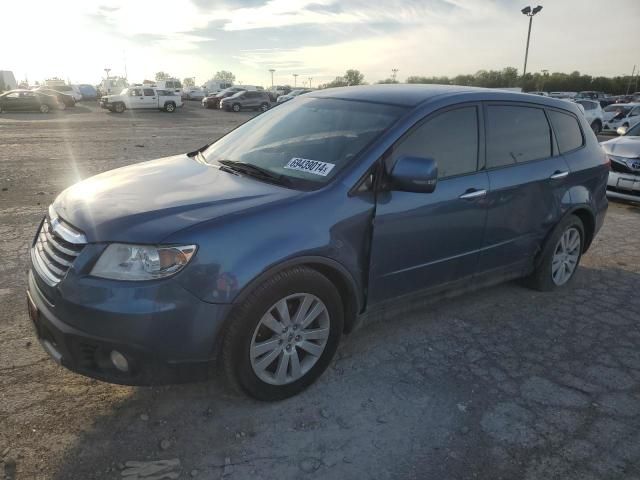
pixel 7 80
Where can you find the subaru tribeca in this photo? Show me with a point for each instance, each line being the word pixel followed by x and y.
pixel 259 251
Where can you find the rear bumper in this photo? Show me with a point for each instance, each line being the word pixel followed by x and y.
pixel 624 186
pixel 179 345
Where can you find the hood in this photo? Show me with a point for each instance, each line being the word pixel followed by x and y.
pixel 623 146
pixel 146 202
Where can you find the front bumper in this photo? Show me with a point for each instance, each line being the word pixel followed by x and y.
pixel 169 336
pixel 624 186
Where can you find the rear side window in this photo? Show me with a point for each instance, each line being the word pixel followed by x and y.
pixel 450 138
pixel 567 130
pixel 516 134
pixel 149 92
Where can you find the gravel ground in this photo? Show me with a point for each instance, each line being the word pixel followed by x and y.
pixel 501 383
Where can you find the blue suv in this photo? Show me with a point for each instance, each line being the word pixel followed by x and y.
pixel 260 250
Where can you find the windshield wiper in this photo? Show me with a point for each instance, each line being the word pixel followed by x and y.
pixel 255 171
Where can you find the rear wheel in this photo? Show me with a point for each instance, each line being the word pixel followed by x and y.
pixel 560 256
pixel 236 107
pixel 44 108
pixel 170 107
pixel 596 126
pixel 284 335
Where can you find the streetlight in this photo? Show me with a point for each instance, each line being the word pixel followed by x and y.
pixel 295 79
pixel 272 70
pixel 529 12
pixel 310 78
pixel 394 71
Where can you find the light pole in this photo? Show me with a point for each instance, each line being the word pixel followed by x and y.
pixel 310 78
pixel 295 79
pixel 393 73
pixel 529 12
pixel 272 70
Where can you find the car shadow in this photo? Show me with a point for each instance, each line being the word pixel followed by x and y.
pixel 421 390
pixel 51 115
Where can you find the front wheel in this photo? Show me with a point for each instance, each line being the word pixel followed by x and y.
pixel 560 256
pixel 284 334
pixel 44 108
pixel 264 107
pixel 118 108
pixel 236 107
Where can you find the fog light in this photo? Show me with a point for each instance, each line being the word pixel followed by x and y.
pixel 119 361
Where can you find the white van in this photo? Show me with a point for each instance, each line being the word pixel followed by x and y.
pixel 172 84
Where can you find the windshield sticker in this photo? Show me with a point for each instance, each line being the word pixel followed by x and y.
pixel 310 166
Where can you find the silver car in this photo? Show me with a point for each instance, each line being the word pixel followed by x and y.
pixel 624 154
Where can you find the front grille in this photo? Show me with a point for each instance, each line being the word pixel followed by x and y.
pixel 52 255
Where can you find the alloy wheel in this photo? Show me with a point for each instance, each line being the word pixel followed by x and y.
pixel 289 339
pixel 566 256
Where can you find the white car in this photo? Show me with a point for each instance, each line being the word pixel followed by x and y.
pixel 621 115
pixel 624 156
pixel 593 113
pixel 193 93
pixel 143 98
pixel 72 90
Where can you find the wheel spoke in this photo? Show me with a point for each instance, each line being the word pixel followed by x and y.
pixel 261 348
pixel 313 348
pixel 316 334
pixel 268 359
pixel 283 365
pixel 271 323
pixel 313 314
pixel 283 310
pixel 303 308
pixel 296 372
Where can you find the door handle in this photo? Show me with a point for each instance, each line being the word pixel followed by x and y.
pixel 470 195
pixel 558 174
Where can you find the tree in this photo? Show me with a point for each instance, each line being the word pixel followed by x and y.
pixel 223 76
pixel 354 77
pixel 189 82
pixel 338 82
pixel 388 80
pixel 162 76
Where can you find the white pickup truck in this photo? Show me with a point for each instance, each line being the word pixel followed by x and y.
pixel 142 97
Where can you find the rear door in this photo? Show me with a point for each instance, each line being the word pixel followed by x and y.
pixel 528 184
pixel 422 240
pixel 251 100
pixel 150 99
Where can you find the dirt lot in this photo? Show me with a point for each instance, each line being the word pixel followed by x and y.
pixel 502 383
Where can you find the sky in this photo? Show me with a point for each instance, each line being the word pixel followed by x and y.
pixel 316 39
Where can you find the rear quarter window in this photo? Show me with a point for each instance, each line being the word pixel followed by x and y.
pixel 568 133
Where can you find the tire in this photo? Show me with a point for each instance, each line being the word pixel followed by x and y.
pixel 119 107
pixel 299 288
pixel 264 107
pixel 236 107
pixel 170 107
pixel 596 126
pixel 1 109
pixel 625 125
pixel 44 108
pixel 544 276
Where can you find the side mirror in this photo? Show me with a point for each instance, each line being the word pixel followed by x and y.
pixel 414 174
pixel 622 130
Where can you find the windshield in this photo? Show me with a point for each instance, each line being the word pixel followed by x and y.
pixel 308 141
pixel 617 108
pixel 634 131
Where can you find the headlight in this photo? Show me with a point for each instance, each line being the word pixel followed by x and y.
pixel 121 261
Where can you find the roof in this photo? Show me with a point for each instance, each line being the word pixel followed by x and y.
pixel 412 95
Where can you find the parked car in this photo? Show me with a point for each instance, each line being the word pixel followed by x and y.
pixel 542 94
pixel 591 95
pixel 88 92
pixel 213 101
pixel 28 100
pixel 593 113
pixel 248 100
pixel 620 115
pixel 63 98
pixel 265 246
pixel 67 90
pixel 142 97
pixel 293 94
pixel 624 154
pixel 562 94
pixel 193 93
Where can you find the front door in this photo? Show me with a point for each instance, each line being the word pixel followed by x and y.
pixel 136 98
pixel 422 240
pixel 150 98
